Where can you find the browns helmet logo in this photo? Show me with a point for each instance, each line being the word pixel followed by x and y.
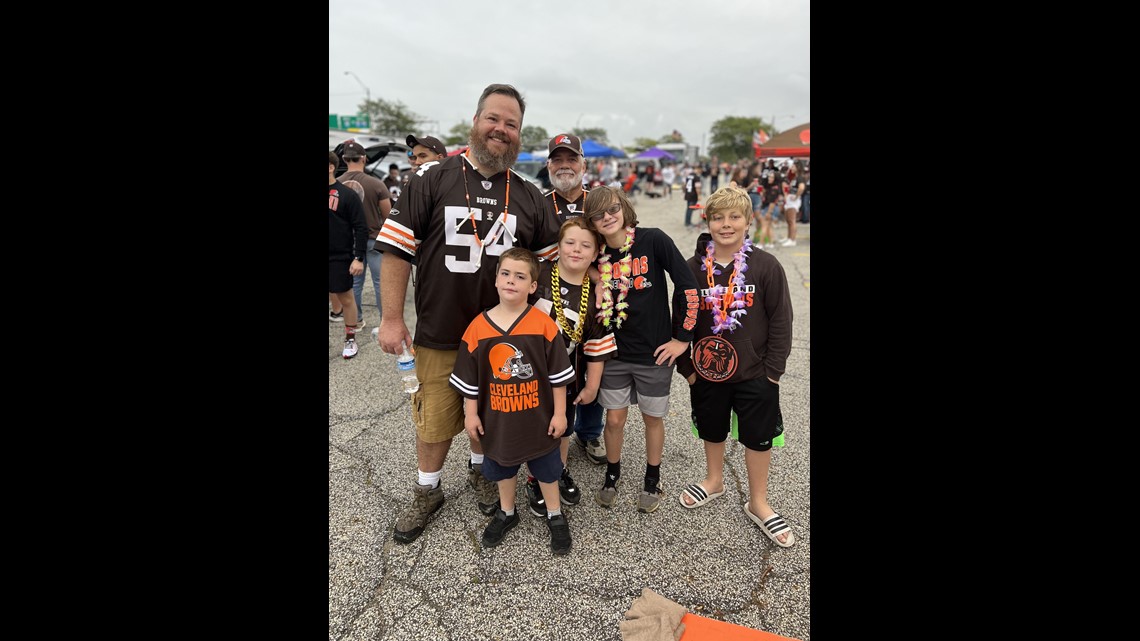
pixel 506 363
pixel 715 359
pixel 562 139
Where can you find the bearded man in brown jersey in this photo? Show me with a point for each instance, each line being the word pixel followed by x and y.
pixel 455 218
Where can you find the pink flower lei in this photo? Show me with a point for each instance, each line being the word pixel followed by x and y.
pixel 725 298
pixel 606 272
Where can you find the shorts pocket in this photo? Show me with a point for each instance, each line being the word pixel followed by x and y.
pixel 418 409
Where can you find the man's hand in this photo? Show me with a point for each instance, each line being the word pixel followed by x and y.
pixel 393 332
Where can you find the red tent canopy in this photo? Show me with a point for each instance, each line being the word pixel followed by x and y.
pixel 793 143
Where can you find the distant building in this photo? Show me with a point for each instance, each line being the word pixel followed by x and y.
pixel 683 151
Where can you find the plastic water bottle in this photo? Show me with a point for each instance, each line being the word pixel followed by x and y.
pixel 406 364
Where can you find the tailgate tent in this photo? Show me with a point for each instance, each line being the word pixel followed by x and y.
pixel 793 143
pixel 591 149
pixel 654 152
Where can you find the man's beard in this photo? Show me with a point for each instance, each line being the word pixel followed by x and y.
pixel 566 184
pixel 489 161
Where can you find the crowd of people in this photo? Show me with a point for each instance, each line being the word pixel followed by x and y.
pixel 535 312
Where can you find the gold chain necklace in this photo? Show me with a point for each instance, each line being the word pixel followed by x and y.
pixel 576 335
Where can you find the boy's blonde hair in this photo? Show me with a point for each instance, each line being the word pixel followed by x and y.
pixel 727 198
pixel 521 254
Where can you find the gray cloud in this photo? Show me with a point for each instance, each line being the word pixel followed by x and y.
pixel 636 68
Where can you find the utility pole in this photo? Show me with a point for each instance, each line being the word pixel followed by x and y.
pixel 774 131
pixel 367 92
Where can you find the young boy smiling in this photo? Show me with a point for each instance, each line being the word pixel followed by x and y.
pixel 512 370
pixel 741 345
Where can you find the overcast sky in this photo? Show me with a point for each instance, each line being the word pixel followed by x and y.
pixel 637 68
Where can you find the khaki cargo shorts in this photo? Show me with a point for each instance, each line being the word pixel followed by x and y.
pixel 437 409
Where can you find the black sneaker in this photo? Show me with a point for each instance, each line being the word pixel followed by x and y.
pixel 534 496
pixel 336 317
pixel 493 534
pixel 568 488
pixel 559 535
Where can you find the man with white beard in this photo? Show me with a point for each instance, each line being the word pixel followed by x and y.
pixel 567 165
pixel 455 218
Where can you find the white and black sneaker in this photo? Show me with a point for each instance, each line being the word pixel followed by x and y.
pixel 336 317
pixel 594 449
pixel 350 348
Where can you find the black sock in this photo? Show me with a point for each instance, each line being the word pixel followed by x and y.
pixel 652 477
pixel 613 473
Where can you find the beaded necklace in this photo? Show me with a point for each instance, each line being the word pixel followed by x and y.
pixel 558 211
pixel 471 214
pixel 556 285
pixel 608 305
pixel 725 298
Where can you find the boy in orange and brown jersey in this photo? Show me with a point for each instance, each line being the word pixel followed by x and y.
pixel 512 371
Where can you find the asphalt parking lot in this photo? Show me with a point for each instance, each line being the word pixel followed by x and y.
pixel 713 560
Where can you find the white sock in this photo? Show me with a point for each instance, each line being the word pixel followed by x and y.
pixel 430 478
pixel 552 513
pixel 511 513
pixel 476 459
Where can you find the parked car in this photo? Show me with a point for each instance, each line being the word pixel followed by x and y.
pixel 380 155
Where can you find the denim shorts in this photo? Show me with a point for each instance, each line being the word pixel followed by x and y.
pixel 755 198
pixel 546 468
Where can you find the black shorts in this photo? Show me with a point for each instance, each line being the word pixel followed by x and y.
pixel 757 406
pixel 339 278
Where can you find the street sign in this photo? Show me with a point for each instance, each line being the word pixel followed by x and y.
pixel 356 123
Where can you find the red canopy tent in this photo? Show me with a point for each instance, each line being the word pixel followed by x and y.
pixel 793 143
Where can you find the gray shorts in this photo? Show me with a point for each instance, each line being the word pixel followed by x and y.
pixel 646 386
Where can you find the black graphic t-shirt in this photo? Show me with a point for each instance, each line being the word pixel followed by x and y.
pixel 758 348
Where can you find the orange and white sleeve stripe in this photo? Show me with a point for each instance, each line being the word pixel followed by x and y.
pixel 398 236
pixel 598 346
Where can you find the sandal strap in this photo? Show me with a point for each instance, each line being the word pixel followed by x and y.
pixel 776 525
pixel 697 492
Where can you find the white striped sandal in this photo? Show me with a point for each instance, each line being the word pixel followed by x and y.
pixel 698 495
pixel 773 527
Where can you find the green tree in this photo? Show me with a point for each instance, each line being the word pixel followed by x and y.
pixel 597 134
pixel 645 143
pixel 732 137
pixel 389 118
pixel 533 137
pixel 458 134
